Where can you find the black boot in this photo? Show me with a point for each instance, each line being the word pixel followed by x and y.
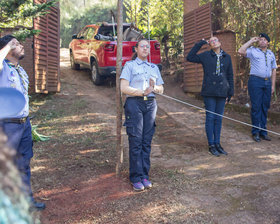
pixel 220 149
pixel 213 150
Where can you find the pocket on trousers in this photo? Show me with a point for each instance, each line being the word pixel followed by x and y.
pixel 130 129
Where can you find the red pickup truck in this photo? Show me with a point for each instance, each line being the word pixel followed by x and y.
pixel 96 48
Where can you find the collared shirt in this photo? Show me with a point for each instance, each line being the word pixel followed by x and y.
pixel 9 77
pixel 139 73
pixel 262 63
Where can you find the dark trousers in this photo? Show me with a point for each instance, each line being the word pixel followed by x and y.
pixel 20 139
pixel 260 96
pixel 140 117
pixel 213 123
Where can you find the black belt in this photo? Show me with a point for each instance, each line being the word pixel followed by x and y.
pixel 143 97
pixel 15 120
pixel 267 78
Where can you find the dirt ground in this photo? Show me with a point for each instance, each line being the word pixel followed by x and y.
pixel 74 172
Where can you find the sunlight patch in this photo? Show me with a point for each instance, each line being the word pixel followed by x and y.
pixel 38 168
pixel 88 151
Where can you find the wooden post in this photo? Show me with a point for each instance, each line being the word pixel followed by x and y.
pixel 118 91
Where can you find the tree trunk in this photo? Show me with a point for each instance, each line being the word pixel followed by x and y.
pixel 119 147
pixel 218 15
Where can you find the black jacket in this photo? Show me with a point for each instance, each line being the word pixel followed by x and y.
pixel 213 85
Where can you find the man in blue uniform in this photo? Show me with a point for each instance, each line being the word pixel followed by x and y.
pixel 261 83
pixel 18 128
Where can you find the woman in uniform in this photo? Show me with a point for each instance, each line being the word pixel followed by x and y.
pixel 140 80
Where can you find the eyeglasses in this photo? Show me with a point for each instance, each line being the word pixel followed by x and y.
pixel 144 45
pixel 213 41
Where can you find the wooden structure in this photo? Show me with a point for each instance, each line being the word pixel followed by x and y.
pixel 198 25
pixel 42 52
pixel 47 51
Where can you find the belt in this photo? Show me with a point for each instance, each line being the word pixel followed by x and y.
pixel 15 120
pixel 143 97
pixel 267 78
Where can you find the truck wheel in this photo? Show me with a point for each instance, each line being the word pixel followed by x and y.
pixel 74 66
pixel 95 76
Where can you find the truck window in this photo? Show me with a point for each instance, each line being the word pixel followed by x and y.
pixel 82 33
pixel 108 30
pixel 90 33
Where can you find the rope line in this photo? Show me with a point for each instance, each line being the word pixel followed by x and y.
pixel 231 119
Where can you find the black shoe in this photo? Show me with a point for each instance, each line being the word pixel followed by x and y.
pixel 38 205
pixel 265 137
pixel 213 150
pixel 256 137
pixel 220 149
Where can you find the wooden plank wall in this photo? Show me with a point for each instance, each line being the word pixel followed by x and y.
pixel 197 25
pixel 47 51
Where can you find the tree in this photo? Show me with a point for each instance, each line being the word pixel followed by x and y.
pixel 166 22
pixel 249 18
pixel 119 146
pixel 21 13
pixel 74 16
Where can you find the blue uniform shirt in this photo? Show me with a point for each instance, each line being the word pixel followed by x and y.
pixel 9 77
pixel 139 72
pixel 262 63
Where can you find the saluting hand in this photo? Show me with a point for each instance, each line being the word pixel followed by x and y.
pixel 12 44
pixel 254 39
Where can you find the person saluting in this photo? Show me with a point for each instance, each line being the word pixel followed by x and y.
pixel 261 83
pixel 217 88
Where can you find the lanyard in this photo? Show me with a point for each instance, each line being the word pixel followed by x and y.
pixel 19 71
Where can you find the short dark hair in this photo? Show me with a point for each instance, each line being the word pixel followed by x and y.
pixel 5 40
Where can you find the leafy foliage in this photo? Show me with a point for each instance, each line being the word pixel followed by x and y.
pixel 166 22
pixel 36 137
pixel 248 18
pixel 21 13
pixel 76 14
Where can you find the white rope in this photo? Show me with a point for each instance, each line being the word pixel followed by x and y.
pixel 200 108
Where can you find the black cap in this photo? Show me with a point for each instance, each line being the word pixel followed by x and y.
pixel 5 40
pixel 265 36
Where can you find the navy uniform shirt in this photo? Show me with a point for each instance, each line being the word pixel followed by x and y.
pixel 139 72
pixel 9 77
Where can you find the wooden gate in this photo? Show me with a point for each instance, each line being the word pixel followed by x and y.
pixel 197 25
pixel 47 51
